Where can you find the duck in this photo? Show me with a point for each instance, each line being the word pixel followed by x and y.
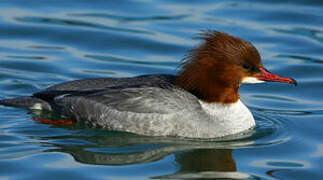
pixel 200 101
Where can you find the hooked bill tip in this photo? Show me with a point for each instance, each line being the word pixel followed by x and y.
pixel 293 81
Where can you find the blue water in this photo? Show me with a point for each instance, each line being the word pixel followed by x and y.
pixel 47 42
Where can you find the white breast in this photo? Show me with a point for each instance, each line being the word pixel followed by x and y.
pixel 229 118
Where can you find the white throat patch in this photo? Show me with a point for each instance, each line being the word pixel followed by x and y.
pixel 251 80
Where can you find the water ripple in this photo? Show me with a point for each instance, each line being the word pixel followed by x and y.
pixel 129 18
pixel 26 57
pixel 311 33
pixel 116 59
pixel 46 47
pixel 308 112
pixel 303 58
pixel 67 22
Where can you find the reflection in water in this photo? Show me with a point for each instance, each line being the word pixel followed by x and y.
pixel 277 167
pixel 207 160
pixel 205 163
pixel 210 159
pixel 195 159
pixel 273 172
pixel 114 148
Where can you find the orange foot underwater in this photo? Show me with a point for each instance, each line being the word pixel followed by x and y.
pixel 54 122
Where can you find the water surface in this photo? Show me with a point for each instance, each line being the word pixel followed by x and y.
pixel 47 42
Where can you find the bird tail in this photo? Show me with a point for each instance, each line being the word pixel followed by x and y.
pixel 27 102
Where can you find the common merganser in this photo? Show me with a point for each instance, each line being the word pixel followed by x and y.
pixel 201 101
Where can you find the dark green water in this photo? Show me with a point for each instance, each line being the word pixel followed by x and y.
pixel 47 42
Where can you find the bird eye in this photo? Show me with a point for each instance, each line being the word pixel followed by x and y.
pixel 246 66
